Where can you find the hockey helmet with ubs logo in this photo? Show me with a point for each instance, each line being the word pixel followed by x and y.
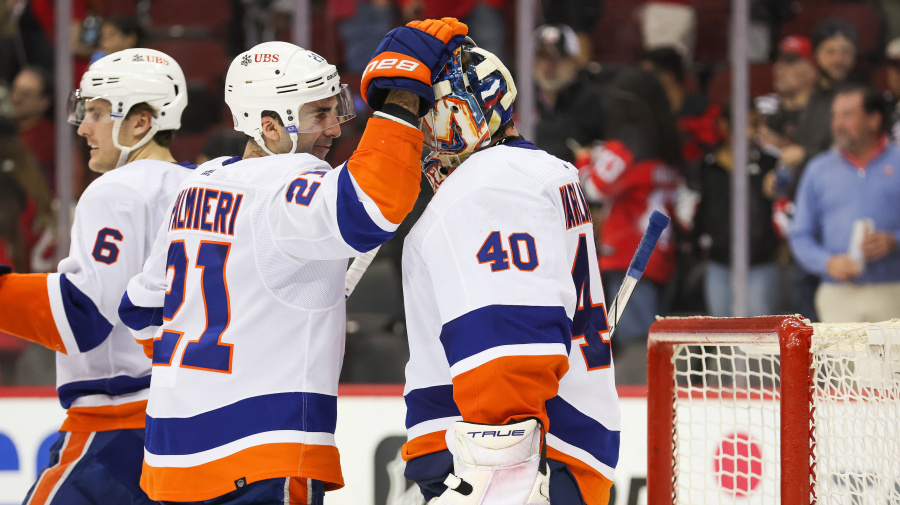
pixel 282 77
pixel 127 78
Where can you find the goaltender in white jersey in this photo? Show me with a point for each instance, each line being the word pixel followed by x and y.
pixel 504 304
pixel 241 303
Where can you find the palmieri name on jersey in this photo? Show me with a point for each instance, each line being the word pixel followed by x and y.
pixel 205 209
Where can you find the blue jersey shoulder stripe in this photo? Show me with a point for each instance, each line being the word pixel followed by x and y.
pixel 497 325
pixel 297 411
pixel 112 386
pixel 138 318
pixel 522 144
pixel 357 228
pixel 575 428
pixel 425 404
pixel 187 164
pixel 88 325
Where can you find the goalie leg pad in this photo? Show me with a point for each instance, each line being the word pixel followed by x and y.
pixel 497 465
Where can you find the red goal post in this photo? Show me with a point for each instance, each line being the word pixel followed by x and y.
pixel 736 405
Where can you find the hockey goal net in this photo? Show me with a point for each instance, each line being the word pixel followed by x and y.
pixel 773 410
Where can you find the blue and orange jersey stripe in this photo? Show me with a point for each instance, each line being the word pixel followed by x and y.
pixel 509 389
pixel 25 310
pixel 425 444
pixel 276 435
pixel 506 361
pixel 212 479
pixel 130 415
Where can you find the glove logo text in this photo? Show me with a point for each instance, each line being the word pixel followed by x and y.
pixel 498 433
pixel 388 63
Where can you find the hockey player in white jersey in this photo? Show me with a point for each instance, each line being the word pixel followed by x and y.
pixel 127 109
pixel 241 303
pixel 510 391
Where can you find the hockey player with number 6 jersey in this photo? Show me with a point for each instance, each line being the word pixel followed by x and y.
pixel 510 389
pixel 241 303
pixel 127 106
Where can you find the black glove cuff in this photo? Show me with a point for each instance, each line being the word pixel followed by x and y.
pixel 401 112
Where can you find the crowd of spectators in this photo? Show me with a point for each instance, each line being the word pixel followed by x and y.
pixel 822 188
pixel 624 90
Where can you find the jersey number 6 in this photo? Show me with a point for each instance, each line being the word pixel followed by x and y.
pixel 105 250
pixel 206 352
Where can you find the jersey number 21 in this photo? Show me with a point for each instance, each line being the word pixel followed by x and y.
pixel 203 352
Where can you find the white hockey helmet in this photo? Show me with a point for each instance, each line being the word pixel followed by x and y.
pixel 282 77
pixel 127 78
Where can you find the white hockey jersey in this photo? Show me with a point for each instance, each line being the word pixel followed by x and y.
pixel 242 300
pixel 102 377
pixel 505 313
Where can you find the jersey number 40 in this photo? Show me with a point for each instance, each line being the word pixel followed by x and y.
pixel 589 322
pixel 205 352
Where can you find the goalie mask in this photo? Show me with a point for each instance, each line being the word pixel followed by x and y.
pixel 281 77
pixel 127 78
pixel 474 94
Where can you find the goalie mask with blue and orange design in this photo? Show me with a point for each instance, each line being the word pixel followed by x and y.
pixel 474 94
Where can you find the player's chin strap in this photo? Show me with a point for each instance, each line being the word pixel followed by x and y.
pixel 124 152
pixel 497 465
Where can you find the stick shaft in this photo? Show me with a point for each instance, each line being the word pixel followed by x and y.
pixel 658 223
pixel 357 269
pixel 618 305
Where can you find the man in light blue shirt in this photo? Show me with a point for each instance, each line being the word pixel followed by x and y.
pixel 859 178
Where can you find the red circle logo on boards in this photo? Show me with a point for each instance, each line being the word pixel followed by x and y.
pixel 738 464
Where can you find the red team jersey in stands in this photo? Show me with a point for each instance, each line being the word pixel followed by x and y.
pixel 242 302
pixel 632 190
pixel 505 312
pixel 102 377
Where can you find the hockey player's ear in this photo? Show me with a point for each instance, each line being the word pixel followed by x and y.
pixel 138 123
pixel 270 129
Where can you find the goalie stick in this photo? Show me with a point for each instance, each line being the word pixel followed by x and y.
pixel 658 223
pixel 357 269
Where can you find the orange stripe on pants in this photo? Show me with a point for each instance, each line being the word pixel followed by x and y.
pixel 298 491
pixel 48 483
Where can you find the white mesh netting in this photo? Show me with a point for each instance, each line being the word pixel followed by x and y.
pixel 727 418
pixel 857 408
pixel 726 424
